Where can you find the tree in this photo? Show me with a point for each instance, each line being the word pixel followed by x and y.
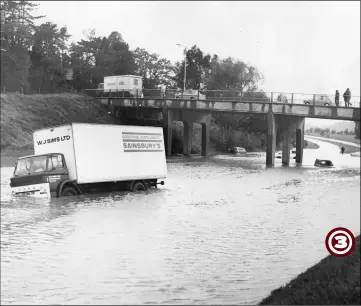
pixel 17 27
pixel 123 58
pixel 282 98
pixel 84 52
pixel 94 57
pixel 231 74
pixel 198 65
pixel 154 69
pixel 49 57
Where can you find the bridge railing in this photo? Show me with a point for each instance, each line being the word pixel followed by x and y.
pixel 229 95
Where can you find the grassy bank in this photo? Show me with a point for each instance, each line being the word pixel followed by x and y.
pixel 348 149
pixel 348 138
pixel 22 114
pixel 342 137
pixel 312 145
pixel 333 281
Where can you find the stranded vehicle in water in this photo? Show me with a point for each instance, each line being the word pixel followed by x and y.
pixel 82 158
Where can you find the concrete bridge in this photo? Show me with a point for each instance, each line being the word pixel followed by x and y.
pixel 287 117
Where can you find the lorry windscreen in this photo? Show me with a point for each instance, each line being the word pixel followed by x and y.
pixel 30 165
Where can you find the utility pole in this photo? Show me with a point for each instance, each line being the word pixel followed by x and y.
pixel 185 66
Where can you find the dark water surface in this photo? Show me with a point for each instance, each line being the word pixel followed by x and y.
pixel 222 230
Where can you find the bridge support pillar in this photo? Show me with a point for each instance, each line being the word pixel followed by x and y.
pixel 187 137
pixel 167 130
pixel 205 138
pixel 271 139
pixel 300 132
pixel 286 146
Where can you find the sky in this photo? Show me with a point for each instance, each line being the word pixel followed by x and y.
pixel 299 46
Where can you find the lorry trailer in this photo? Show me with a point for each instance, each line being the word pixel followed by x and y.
pixel 81 158
pixel 122 86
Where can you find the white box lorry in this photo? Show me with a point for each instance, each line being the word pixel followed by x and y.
pixel 127 85
pixel 80 158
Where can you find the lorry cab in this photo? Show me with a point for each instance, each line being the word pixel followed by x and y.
pixel 39 175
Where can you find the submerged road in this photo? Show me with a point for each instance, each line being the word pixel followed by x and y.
pixel 223 230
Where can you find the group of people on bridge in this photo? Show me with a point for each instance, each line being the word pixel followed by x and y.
pixel 346 98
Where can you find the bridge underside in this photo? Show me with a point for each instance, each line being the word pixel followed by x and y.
pixel 286 118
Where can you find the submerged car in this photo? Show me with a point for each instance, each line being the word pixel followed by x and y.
pixel 323 163
pixel 293 154
pixel 190 94
pixel 321 100
pixel 237 150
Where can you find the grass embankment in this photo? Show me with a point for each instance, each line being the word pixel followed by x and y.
pixel 22 114
pixel 311 145
pixel 333 281
pixel 348 138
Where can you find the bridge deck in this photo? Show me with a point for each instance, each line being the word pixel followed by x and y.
pixel 309 111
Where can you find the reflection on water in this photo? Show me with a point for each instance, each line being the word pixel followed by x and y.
pixel 223 230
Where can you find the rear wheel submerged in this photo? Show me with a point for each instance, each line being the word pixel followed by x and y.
pixel 139 186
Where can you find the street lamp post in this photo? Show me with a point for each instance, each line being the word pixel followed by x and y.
pixel 185 66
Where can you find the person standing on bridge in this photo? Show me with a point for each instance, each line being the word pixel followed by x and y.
pixel 347 97
pixel 348 92
pixel 337 98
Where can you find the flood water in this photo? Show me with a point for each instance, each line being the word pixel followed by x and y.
pixel 222 230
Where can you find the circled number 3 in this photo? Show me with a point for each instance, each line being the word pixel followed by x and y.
pixel 341 242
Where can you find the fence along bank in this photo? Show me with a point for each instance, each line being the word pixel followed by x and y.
pixel 82 158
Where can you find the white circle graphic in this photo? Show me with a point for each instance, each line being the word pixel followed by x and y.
pixel 343 233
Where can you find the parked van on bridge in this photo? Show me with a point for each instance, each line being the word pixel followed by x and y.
pixel 321 100
pixel 80 158
pixel 190 94
pixel 121 86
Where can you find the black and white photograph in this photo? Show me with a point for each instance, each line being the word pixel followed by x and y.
pixel 180 152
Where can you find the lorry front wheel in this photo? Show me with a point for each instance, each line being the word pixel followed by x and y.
pixel 69 191
pixel 139 186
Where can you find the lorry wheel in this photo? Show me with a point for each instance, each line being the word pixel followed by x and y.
pixel 69 191
pixel 139 186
